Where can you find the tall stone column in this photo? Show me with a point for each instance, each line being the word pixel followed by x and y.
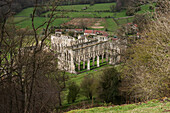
pixel 79 66
pixel 84 64
pixel 111 60
pixel 93 61
pixel 107 57
pixel 98 61
pixel 72 67
pixel 114 60
pixel 114 57
pixel 60 48
pixel 88 64
pixel 102 58
pixel 118 57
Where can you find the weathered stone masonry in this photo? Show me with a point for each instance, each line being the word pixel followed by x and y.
pixel 71 51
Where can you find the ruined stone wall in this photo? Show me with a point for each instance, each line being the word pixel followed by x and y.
pixel 71 52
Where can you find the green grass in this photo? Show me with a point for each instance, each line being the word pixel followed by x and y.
pixel 125 21
pixel 111 25
pixel 16 20
pixel 20 19
pixel 120 14
pixel 153 106
pixel 25 12
pixel 90 14
pixel 99 7
pixel 23 19
pixel 72 7
pixel 95 7
pixel 40 20
pixel 145 8
pixel 85 14
pixel 78 78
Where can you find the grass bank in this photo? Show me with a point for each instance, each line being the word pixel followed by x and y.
pixel 153 106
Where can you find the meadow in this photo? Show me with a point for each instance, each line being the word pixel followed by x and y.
pixel 67 13
pixel 40 20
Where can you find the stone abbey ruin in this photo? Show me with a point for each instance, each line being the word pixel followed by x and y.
pixel 82 53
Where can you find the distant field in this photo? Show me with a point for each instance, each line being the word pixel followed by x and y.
pixel 111 25
pixel 23 19
pixel 99 7
pixel 41 20
pixel 95 7
pixel 90 14
pixel 72 7
pixel 18 19
pixel 25 12
pixel 84 14
pixel 125 21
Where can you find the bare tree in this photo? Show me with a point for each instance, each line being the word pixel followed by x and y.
pixel 25 65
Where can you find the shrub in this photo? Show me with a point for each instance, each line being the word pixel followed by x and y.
pixel 106 29
pixel 73 92
pixel 107 89
pixel 130 11
pixel 112 8
pixel 88 86
pixel 30 15
pixel 70 33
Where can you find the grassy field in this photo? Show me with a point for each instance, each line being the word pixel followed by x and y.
pixel 20 19
pixel 41 20
pixel 90 14
pixel 95 7
pixel 111 25
pixel 153 106
pixel 99 7
pixel 84 14
pixel 26 12
pixel 23 19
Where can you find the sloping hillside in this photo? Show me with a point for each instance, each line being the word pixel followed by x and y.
pixel 153 106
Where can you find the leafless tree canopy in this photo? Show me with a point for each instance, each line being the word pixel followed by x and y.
pixel 29 78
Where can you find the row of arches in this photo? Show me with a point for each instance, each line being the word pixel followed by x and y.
pixel 94 62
